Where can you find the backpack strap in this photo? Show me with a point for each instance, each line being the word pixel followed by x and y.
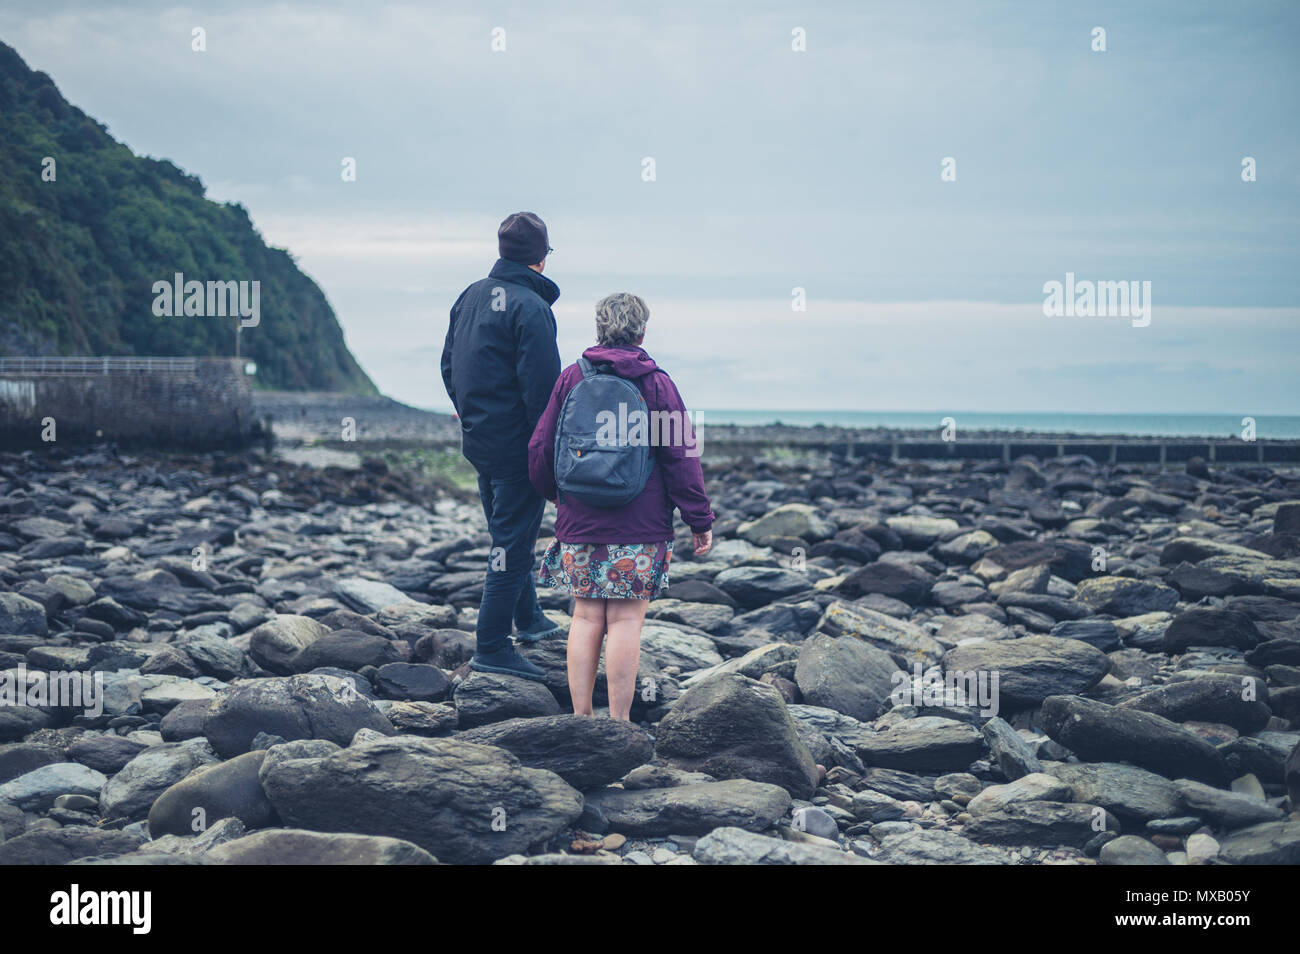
pixel 590 370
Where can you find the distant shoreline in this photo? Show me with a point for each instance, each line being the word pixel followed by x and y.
pixel 317 416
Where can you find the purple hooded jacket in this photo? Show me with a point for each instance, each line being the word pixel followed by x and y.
pixel 677 479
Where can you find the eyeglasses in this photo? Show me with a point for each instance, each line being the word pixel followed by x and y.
pixel 549 250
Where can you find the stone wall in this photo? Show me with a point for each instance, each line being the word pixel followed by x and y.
pixel 206 404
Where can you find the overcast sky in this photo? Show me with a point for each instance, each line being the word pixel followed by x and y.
pixel 775 169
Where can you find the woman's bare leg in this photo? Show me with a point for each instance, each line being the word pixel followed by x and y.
pixel 623 619
pixel 586 633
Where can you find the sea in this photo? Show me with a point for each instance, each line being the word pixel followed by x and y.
pixel 1267 426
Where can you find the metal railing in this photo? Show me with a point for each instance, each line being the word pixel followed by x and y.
pixel 83 366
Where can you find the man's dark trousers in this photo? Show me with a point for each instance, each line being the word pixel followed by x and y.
pixel 514 516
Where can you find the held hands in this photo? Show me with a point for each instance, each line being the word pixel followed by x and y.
pixel 703 542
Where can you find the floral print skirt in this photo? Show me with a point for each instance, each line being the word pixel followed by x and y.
pixel 618 571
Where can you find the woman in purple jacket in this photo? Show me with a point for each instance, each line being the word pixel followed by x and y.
pixel 614 561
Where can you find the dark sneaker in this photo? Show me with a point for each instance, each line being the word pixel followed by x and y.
pixel 507 662
pixel 539 631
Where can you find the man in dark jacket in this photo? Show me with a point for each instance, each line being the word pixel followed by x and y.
pixel 499 364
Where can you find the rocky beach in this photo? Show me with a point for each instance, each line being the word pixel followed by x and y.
pixel 1041 661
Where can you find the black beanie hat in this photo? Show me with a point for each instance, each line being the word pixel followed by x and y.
pixel 522 238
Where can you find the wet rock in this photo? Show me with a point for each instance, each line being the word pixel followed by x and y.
pixel 1209 699
pixel 880 630
pixel 58 846
pixel 924 744
pixel 934 847
pixel 1097 732
pixel 730 726
pixel 1131 850
pixel 845 674
pixel 1042 823
pixel 692 809
pixel 485 697
pixel 910 584
pixel 345 649
pixel 585 751
pixel 1202 626
pixel 275 644
pixel 20 615
pixel 449 797
pixel 1122 596
pixel 294 707
pixel 1033 668
pixel 286 846
pixel 755 586
pixel 737 846
pixel 1270 843
pixel 416 682
pixel 1228 809
pixel 36 790
pixel 230 789
pixel 1036 787
pixel 1008 750
pixel 131 792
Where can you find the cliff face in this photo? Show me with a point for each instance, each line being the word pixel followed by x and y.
pixel 87 229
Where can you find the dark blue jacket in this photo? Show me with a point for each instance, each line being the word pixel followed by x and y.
pixel 500 363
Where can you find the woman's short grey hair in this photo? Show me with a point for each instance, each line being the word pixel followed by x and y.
pixel 620 319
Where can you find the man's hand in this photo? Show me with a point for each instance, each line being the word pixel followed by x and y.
pixel 703 542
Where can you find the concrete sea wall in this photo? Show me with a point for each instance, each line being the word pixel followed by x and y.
pixel 170 402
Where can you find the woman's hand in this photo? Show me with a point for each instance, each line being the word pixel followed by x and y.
pixel 703 542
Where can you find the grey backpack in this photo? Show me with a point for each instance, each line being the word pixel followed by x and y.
pixel 589 466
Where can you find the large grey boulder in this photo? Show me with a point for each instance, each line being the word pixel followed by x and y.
pixel 348 649
pixel 1226 808
pixel 899 581
pixel 486 697
pixel 880 630
pixel 228 789
pixel 845 674
pixel 585 751
pixel 1048 824
pixel 1207 699
pixel 36 790
pixel 755 586
pixel 131 792
pixel 785 521
pixel 1097 732
pixel 925 744
pixel 294 707
pixel 21 616
pixel 1124 596
pixel 276 643
pixel 1129 792
pixel 461 802
pixel 368 596
pixel 1036 787
pixel 731 726
pixel 1032 668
